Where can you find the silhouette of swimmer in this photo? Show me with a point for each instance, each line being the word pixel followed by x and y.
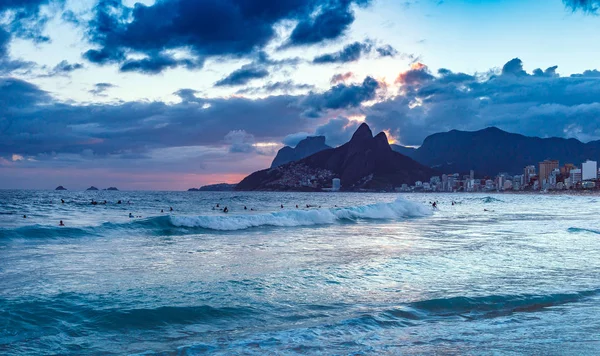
pixel 131 215
pixel 24 216
pixel 170 208
pixel 251 209
pixel 61 223
pixel 162 211
pixel 281 206
pixel 225 210
pixel 62 201
pixel 119 202
pixel 218 205
pixel 434 205
pixel 245 208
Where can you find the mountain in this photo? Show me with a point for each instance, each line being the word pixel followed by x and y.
pixel 304 148
pixel 365 162
pixel 491 150
pixel 92 188
pixel 114 189
pixel 60 187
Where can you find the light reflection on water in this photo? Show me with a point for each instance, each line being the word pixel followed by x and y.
pixel 521 277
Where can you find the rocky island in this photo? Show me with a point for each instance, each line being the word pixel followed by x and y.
pixel 365 163
pixel 60 187
pixel 92 188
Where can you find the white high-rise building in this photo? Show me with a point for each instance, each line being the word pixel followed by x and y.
pixel 575 176
pixel 336 184
pixel 589 170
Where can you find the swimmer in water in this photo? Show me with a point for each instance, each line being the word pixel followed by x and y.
pixel 245 208
pixel 119 202
pixel 218 206
pixel 225 210
pixel 61 223
pixel 131 216
pixel 281 206
pixel 24 216
pixel 162 211
pixel 296 206
pixel 62 201
pixel 170 208
pixel 434 205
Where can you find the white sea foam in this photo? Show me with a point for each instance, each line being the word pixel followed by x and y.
pixel 398 209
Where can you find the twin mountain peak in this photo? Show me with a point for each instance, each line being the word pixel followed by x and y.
pixel 365 162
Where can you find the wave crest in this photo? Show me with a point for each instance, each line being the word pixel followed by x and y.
pixel 399 209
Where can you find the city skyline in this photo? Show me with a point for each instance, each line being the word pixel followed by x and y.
pixel 174 94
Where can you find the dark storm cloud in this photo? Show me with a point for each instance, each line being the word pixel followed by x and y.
pixel 588 6
pixel 353 52
pixel 157 63
pixel 333 19
pixel 539 104
pixel 243 75
pixel 349 53
pixel 233 28
pixel 24 17
pixel 341 96
pixel 33 123
pixel 258 69
pixel 514 67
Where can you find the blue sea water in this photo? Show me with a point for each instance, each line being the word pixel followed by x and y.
pixel 363 274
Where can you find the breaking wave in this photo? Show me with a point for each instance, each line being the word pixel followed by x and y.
pixel 399 209
pixel 174 224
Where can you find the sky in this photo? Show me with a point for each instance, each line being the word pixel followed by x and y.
pixel 174 94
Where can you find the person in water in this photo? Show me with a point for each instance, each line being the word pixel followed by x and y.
pixel 434 205
pixel 61 223
pixel 225 210
pixel 170 208
pixel 245 208
pixel 162 211
pixel 24 216
pixel 119 202
pixel 131 215
pixel 218 206
pixel 281 206
pixel 62 201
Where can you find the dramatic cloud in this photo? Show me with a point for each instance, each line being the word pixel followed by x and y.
pixel 334 18
pixel 353 52
pixel 32 123
pixel 350 53
pixel 341 96
pixel 243 75
pixel 258 69
pixel 589 6
pixel 538 104
pixel 232 28
pixel 25 19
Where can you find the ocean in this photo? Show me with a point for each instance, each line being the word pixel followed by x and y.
pixel 357 274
